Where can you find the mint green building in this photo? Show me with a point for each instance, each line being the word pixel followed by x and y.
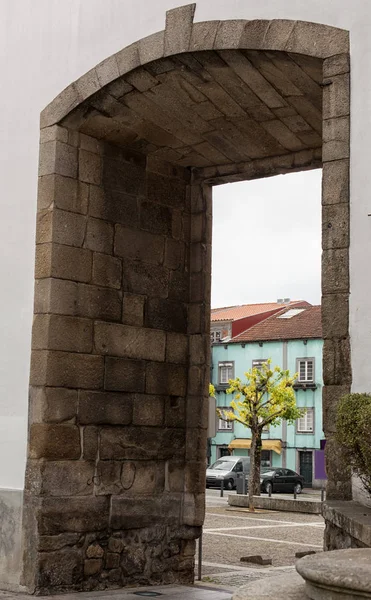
pixel 292 339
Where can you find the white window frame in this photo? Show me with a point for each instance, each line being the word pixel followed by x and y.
pixel 302 423
pixel 227 364
pixel 225 425
pixel 306 362
pixel 257 363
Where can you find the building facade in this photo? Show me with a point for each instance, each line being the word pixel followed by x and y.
pixel 292 340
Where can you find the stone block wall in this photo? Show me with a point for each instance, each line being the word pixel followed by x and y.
pixel 118 398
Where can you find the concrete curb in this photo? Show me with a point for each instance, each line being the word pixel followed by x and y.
pixel 278 503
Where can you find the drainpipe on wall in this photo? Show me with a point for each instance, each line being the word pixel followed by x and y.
pixel 284 423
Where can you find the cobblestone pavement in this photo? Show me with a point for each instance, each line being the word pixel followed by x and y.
pixel 229 534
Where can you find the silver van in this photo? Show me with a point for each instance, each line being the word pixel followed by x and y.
pixel 227 468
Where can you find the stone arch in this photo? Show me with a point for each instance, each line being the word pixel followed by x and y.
pixel 120 345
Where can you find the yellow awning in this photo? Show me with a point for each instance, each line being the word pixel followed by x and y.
pixel 275 445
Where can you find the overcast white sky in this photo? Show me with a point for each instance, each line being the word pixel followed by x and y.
pixel 267 240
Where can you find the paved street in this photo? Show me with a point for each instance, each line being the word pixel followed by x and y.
pixel 230 534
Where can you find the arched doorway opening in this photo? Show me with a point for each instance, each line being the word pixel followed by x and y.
pixel 120 362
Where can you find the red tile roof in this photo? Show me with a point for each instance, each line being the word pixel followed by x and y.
pixel 233 313
pixel 305 325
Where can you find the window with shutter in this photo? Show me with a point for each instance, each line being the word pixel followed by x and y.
pixel 306 423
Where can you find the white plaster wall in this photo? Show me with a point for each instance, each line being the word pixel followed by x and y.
pixel 46 44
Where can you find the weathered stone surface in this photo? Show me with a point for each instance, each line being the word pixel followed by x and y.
pixel 166 190
pixel 129 342
pixel 336 65
pixel 289 586
pixel 102 408
pixel 90 443
pixel 336 97
pixel 345 570
pixel 64 262
pixel 66 193
pixel 166 378
pixel 178 29
pixel 156 218
pixel 124 375
pixel 229 34
pixel 339 485
pixel 57 332
pixel 335 182
pixel 66 369
pixel 139 245
pixel 151 47
pixel 176 348
pixel 198 349
pixel 148 410
pixel 61 227
pixel 113 205
pixel 337 362
pixel 194 510
pixel 347 525
pixel 203 35
pixel 90 167
pixel 336 140
pixel 107 271
pixel 99 236
pixel 335 316
pixel 60 569
pixel 174 411
pixel 66 297
pixel 141 443
pixel 145 278
pixel 128 515
pixel 166 315
pixel 60 478
pixel 254 34
pixel 133 309
pixel 335 270
pixel 76 514
pixel 54 441
pixel 139 478
pixel 328 40
pixel 52 405
pixel 335 226
pixel 57 157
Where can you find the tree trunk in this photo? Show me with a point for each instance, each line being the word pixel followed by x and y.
pixel 257 462
pixel 254 475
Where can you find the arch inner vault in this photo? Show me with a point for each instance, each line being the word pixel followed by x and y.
pixel 129 153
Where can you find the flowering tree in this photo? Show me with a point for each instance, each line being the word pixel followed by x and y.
pixel 266 398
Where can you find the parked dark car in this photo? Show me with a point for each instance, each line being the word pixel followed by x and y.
pixel 281 480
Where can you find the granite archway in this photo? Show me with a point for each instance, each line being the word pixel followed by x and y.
pixel 129 153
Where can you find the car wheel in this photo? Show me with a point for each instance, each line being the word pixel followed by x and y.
pixel 298 488
pixel 229 484
pixel 268 487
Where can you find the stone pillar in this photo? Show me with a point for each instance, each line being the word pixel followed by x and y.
pixel 114 491
pixel 337 372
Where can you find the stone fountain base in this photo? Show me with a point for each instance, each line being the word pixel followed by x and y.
pixel 336 575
